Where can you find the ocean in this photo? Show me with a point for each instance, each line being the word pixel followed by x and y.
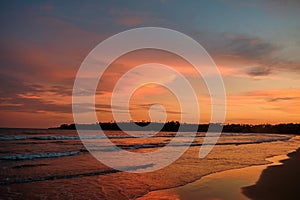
pixel 54 164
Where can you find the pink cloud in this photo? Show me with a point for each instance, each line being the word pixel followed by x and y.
pixel 134 18
pixel 130 21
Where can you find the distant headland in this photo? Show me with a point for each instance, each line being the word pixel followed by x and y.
pixel 289 128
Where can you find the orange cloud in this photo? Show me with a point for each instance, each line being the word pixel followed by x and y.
pixel 130 21
pixel 128 17
pixel 264 106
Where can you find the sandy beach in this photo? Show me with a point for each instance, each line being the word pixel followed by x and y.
pixel 278 182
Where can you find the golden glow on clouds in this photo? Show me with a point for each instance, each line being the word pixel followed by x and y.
pixel 43 46
pixel 250 99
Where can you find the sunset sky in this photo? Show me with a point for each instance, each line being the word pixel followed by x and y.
pixel 255 44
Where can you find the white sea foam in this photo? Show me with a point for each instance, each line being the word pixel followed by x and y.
pixel 41 155
pixel 18 137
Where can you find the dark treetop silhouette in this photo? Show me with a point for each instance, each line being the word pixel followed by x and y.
pixel 174 126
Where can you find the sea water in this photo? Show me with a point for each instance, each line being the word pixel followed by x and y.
pixel 54 164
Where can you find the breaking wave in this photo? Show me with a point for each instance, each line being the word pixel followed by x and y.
pixel 37 156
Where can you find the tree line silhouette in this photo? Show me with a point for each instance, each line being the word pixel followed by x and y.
pixel 289 128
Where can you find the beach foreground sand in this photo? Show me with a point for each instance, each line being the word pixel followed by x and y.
pixel 278 182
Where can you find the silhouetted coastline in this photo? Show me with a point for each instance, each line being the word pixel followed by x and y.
pixel 289 128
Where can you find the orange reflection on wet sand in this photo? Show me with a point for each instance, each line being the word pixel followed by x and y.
pixel 216 186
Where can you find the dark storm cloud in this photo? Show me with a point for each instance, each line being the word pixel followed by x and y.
pixel 246 51
pixel 281 99
pixel 282 3
pixel 99 107
pixel 11 86
pixel 249 47
pixel 32 105
pixel 148 105
pixel 269 4
pixel 13 94
pixel 259 71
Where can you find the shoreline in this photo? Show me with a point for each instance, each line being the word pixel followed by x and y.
pixel 193 189
pixel 279 181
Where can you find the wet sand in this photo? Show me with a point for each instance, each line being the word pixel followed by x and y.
pixel 278 182
pixel 222 185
